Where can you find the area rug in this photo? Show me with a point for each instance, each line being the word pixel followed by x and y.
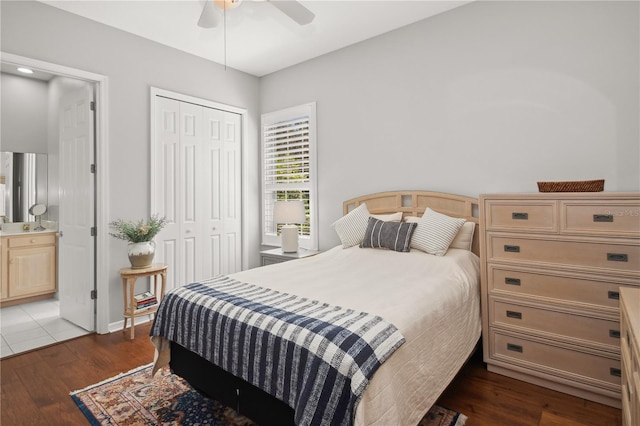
pixel 136 398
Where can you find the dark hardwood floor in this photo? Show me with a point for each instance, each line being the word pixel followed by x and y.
pixel 35 387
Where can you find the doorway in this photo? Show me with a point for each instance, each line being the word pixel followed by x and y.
pixel 74 200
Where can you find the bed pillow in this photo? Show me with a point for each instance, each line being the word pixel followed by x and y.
pixel 464 237
pixel 394 236
pixel 435 232
pixel 393 217
pixel 352 226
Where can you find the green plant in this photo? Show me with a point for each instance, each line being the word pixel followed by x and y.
pixel 137 232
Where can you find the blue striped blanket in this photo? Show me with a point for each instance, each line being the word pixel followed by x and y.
pixel 313 356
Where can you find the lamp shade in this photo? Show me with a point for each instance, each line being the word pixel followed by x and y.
pixel 289 212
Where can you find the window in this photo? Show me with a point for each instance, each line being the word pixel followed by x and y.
pixel 289 170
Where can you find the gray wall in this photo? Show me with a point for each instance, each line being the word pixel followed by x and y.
pixel 24 114
pixel 133 64
pixel 489 97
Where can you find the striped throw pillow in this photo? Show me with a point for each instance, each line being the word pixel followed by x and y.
pixel 435 232
pixel 352 226
pixel 388 235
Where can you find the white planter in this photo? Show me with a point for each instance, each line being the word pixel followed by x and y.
pixel 141 254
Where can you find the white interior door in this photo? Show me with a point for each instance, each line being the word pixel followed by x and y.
pixel 76 246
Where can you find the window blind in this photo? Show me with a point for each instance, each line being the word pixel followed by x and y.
pixel 288 145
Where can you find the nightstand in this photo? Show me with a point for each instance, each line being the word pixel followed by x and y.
pixel 129 277
pixel 269 257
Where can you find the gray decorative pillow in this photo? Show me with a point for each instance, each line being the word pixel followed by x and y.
pixel 388 235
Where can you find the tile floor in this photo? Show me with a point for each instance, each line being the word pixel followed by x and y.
pixel 33 325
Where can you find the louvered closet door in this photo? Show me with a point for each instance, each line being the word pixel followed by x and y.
pixel 198 188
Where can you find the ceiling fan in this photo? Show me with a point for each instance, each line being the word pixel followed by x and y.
pixel 209 18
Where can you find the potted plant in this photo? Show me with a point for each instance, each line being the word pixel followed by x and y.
pixel 140 236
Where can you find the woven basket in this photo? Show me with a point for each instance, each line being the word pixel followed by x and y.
pixel 572 186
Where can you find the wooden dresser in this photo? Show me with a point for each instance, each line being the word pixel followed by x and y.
pixel 552 268
pixel 630 328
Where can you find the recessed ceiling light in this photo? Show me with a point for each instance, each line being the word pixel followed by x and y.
pixel 25 70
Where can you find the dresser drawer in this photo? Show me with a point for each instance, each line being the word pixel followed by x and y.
pixel 32 240
pixel 598 370
pixel 588 289
pixel 533 216
pixel 577 254
pixel 621 218
pixel 579 329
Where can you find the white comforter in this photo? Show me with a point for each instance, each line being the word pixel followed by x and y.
pixel 433 301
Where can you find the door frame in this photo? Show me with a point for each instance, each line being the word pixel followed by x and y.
pixel 101 264
pixel 244 113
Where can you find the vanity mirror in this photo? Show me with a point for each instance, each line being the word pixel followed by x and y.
pixel 37 210
pixel 25 184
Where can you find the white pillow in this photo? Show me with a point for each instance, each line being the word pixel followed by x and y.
pixel 464 237
pixel 352 226
pixel 435 232
pixel 392 217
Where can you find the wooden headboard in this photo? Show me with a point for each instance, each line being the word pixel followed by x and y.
pixel 414 203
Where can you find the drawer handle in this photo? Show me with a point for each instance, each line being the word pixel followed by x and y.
pixel 603 218
pixel 617 257
pixel 615 372
pixel 614 333
pixel 517 315
pixel 520 216
pixel 512 249
pixel 512 281
pixel 615 295
pixel 514 348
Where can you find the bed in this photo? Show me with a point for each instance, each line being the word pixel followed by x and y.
pixel 433 302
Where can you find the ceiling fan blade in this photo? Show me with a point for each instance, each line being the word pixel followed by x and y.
pixel 208 17
pixel 294 10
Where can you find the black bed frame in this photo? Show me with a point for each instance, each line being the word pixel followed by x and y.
pixel 214 382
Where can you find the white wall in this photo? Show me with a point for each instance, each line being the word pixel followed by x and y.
pixel 24 114
pixel 489 97
pixel 132 64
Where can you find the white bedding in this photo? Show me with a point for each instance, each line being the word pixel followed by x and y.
pixel 433 300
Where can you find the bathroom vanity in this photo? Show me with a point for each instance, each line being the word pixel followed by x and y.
pixel 28 262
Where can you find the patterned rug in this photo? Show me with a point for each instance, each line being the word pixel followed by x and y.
pixel 136 398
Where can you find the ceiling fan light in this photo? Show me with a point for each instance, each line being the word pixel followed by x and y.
pixel 227 4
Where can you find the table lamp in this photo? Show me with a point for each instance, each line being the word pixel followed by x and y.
pixel 289 213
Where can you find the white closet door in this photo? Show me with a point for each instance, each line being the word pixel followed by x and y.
pixel 212 164
pixel 197 187
pixel 166 185
pixel 232 194
pixel 221 226
pixel 191 192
